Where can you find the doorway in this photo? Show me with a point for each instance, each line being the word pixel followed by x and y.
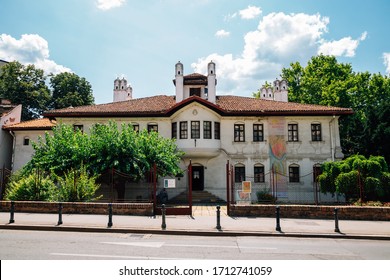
pixel 197 178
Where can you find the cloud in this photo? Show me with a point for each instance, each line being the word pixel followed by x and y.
pixel 386 62
pixel 30 49
pixel 250 12
pixel 343 47
pixel 278 40
pixel 222 33
pixel 109 4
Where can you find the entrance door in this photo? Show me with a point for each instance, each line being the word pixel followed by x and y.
pixel 197 178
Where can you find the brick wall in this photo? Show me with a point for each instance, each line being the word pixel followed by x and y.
pixel 140 209
pixel 313 212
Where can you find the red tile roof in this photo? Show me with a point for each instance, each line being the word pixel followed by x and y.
pixel 39 124
pixel 162 105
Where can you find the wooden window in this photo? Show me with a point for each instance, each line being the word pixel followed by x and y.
pixel 293 171
pixel 207 130
pixel 174 130
pixel 239 173
pixel 195 129
pixel 183 130
pixel 316 132
pixel 78 127
pixel 239 133
pixel 152 127
pixel 217 130
pixel 293 132
pixel 135 127
pixel 258 133
pixel 259 174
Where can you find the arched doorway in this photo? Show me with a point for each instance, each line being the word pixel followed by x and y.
pixel 197 178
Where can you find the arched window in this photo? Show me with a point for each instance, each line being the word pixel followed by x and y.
pixel 239 173
pixel 258 171
pixel 293 173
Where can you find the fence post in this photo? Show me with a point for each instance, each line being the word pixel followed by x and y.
pixel 278 228
pixel 109 215
pixel 12 211
pixel 163 210
pixel 336 220
pixel 218 217
pixel 59 214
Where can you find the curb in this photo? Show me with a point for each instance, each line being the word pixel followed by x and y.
pixel 191 232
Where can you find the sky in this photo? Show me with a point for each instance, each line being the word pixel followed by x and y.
pixel 250 41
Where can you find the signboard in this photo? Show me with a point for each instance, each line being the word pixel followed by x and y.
pixel 169 183
pixel 246 186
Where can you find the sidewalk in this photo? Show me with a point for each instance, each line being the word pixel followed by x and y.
pixel 203 222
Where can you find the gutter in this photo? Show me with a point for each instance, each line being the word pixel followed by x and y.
pixel 13 148
pixel 331 135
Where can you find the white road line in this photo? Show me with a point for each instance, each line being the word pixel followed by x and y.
pixel 114 256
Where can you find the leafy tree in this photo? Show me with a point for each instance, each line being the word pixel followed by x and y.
pixel 325 81
pixel 25 85
pixel 356 176
pixel 70 90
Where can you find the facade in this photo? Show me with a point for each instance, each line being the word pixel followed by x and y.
pixel 274 144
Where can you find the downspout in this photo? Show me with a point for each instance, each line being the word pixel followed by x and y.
pixel 332 148
pixel 13 148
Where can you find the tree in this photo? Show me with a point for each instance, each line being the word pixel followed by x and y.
pixel 325 81
pixel 25 85
pixel 357 177
pixel 70 90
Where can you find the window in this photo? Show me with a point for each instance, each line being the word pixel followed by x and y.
pixel 195 91
pixel 239 173
pixel 239 133
pixel 174 130
pixel 316 132
pixel 293 172
pixel 195 129
pixel 258 135
pixel 259 173
pixel 293 132
pixel 207 130
pixel 217 130
pixel 78 127
pixel 26 141
pixel 135 127
pixel 152 127
pixel 183 130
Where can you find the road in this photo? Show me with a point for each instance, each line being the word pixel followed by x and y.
pixel 39 245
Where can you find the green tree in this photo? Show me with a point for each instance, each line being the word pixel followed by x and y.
pixel 357 176
pixel 325 81
pixel 25 85
pixel 68 89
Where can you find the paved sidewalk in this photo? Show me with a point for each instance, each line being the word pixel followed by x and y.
pixel 203 222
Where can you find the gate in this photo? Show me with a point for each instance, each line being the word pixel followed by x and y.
pixel 183 209
pixel 4 177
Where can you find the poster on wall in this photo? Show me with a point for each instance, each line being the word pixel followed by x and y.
pixel 246 186
pixel 169 183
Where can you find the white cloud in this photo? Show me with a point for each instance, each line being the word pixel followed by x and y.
pixel 250 12
pixel 386 62
pixel 279 40
pixel 222 33
pixel 109 4
pixel 30 49
pixel 343 47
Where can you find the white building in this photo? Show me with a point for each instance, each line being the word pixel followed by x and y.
pixel 273 143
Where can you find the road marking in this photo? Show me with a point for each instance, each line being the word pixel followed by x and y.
pixel 161 244
pixel 138 244
pixel 114 257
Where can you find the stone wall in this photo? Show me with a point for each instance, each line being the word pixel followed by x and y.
pixel 140 209
pixel 313 212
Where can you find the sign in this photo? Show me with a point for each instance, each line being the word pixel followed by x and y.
pixel 169 183
pixel 246 186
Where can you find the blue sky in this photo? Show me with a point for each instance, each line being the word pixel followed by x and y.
pixel 250 41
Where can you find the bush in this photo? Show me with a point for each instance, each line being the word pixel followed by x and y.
pixel 32 187
pixel 77 186
pixel 264 196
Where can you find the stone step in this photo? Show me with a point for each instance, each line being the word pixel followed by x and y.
pixel 197 197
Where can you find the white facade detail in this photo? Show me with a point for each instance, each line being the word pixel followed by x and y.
pixel 122 91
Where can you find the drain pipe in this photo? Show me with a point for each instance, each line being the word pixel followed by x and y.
pixel 332 144
pixel 13 148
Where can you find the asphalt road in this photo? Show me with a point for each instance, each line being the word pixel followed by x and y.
pixel 40 245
